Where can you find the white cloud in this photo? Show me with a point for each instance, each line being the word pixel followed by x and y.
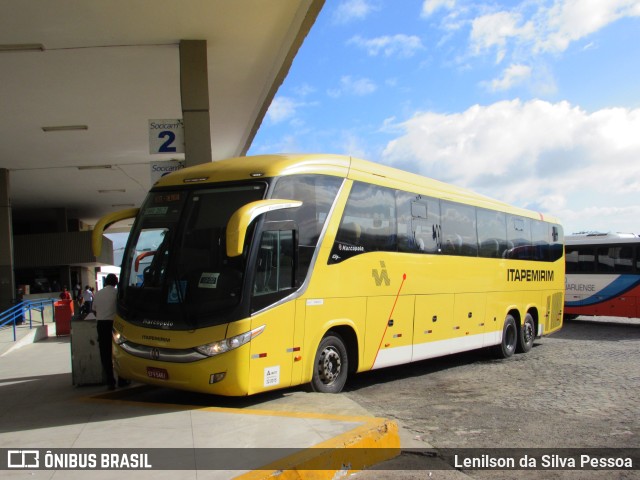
pixel 548 28
pixel 389 45
pixel 351 10
pixel 512 76
pixel 353 86
pixel 494 30
pixel 287 144
pixel 552 157
pixel 570 20
pixel 430 6
pixel 281 109
pixel 284 108
pixel 602 219
pixel 528 31
pixel 353 145
pixel 304 90
pixel 389 125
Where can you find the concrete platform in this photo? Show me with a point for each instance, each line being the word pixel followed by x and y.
pixel 286 434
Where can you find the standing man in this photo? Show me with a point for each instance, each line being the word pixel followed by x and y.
pixel 104 307
pixel 87 300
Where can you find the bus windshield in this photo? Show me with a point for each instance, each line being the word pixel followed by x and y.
pixel 175 270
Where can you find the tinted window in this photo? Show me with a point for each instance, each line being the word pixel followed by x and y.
pixel 557 243
pixel 317 193
pixel 540 237
pixel 519 238
pixel 492 233
pixel 571 260
pixel 580 259
pixel 421 224
pixel 418 223
pixel 459 229
pixel 615 259
pixel 368 223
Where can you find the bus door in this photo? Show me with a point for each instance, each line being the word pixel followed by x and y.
pixel 274 265
pixel 389 335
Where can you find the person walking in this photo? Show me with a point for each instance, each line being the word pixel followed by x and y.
pixel 87 300
pixel 104 308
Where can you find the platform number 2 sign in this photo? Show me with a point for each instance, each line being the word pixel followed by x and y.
pixel 166 136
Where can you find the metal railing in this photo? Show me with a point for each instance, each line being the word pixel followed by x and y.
pixel 18 313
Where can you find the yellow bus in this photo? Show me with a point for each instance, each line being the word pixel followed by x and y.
pixel 257 273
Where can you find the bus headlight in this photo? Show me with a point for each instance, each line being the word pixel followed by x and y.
pixel 118 338
pixel 222 346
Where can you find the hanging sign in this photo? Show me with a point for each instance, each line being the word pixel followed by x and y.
pixel 166 135
pixel 160 169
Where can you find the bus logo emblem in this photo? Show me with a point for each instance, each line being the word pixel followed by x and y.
pixel 382 276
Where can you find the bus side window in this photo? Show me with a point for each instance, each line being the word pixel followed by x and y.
pixel 605 260
pixel 317 194
pixel 519 238
pixel 492 233
pixel 275 263
pixel 580 259
pixel 459 233
pixel 368 223
pixel 418 223
pixel 352 232
pixel 556 248
pixel 615 259
pixel 571 259
pixel 541 234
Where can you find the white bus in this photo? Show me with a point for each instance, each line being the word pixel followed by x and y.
pixel 602 275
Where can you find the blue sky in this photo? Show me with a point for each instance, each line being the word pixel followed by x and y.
pixel 534 102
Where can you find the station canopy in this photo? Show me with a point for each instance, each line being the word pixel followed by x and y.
pixel 81 79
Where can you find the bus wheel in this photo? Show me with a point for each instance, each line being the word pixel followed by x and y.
pixel 527 334
pixel 330 366
pixel 509 338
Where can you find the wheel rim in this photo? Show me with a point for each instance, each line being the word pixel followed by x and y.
pixel 528 332
pixel 329 366
pixel 510 337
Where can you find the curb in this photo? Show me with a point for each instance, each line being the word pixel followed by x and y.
pixel 367 445
pixel 35 334
pixel 374 440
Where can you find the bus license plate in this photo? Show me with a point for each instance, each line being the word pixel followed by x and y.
pixel 157 373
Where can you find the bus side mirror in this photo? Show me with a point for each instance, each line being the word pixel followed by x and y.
pixel 104 223
pixel 241 218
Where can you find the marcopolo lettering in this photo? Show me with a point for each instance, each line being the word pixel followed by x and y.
pixel 350 248
pixel 529 275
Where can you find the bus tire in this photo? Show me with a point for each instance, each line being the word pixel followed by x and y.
pixel 527 334
pixel 507 347
pixel 330 366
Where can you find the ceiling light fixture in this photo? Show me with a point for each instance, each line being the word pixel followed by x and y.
pixel 94 167
pixel 65 128
pixel 115 190
pixel 22 47
pixel 119 205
